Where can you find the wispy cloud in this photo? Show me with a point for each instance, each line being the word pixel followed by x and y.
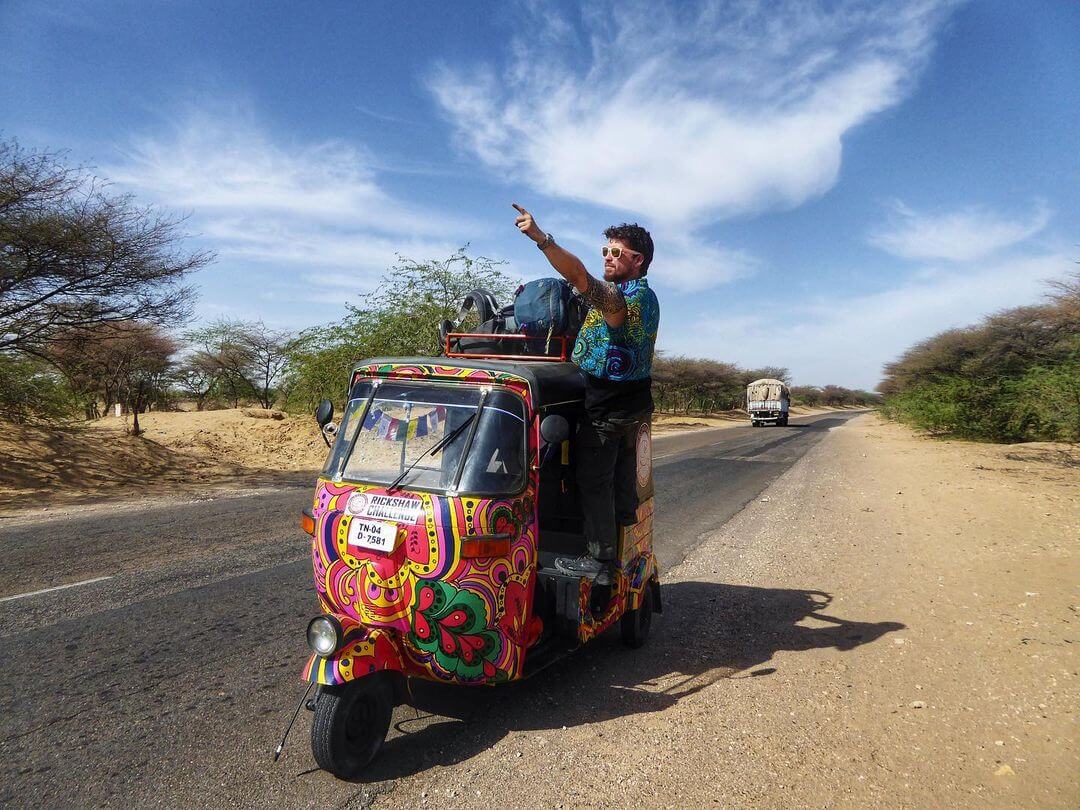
pixel 691 264
pixel 300 205
pixel 692 113
pixel 958 236
pixel 846 340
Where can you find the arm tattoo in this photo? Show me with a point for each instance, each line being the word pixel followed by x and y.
pixel 604 296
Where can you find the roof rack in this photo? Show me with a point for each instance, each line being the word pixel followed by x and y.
pixel 555 349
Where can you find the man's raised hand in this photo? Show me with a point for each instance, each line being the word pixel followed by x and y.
pixel 527 225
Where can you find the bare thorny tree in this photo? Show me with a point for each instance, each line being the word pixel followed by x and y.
pixel 74 256
pixel 129 363
pixel 248 355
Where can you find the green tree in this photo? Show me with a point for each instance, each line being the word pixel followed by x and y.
pixel 400 318
pixel 32 390
pixel 1015 376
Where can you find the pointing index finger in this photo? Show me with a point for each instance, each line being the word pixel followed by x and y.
pixel 519 208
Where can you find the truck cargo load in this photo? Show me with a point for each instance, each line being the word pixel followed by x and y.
pixel 768 402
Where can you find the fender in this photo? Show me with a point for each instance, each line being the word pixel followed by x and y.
pixel 646 575
pixel 364 651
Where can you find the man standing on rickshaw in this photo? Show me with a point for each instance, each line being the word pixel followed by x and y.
pixel 615 350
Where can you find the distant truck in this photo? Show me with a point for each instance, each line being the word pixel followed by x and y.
pixel 768 402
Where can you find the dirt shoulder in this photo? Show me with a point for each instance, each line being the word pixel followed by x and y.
pixel 893 623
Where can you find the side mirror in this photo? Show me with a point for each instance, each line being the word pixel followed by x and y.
pixel 324 413
pixel 555 429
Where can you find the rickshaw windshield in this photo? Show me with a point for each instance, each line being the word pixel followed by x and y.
pixel 429 435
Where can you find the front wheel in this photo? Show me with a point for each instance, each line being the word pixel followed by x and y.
pixel 635 624
pixel 350 725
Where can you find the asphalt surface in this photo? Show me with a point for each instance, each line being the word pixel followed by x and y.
pixel 169 679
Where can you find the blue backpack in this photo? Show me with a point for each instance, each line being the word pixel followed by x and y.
pixel 548 306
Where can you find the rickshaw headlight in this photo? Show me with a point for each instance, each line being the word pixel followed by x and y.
pixel 324 635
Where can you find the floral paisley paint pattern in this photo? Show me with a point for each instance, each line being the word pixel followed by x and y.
pixel 453 623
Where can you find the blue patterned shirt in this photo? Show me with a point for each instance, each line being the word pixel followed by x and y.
pixel 625 353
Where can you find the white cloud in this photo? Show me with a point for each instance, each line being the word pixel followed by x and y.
pixel 958 236
pixel 294 206
pixel 847 340
pixel 688 263
pixel 313 245
pixel 689 114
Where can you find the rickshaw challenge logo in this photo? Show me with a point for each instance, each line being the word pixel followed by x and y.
pixel 385 507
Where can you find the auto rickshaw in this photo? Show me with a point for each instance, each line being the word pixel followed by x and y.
pixel 447 497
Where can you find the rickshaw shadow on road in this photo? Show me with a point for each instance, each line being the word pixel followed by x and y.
pixel 708 633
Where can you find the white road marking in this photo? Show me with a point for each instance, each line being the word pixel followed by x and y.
pixel 50 590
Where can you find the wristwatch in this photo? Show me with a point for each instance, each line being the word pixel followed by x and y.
pixel 548 242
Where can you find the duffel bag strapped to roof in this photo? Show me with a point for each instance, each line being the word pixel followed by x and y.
pixel 541 324
pixel 546 307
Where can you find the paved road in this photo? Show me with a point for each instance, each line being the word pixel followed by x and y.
pixel 168 680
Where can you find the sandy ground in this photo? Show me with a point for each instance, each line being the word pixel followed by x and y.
pixel 193 452
pixel 893 623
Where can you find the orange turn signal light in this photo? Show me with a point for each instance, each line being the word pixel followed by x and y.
pixel 307 522
pixel 485 545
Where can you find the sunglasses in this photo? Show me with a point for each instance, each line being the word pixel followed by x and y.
pixel 615 251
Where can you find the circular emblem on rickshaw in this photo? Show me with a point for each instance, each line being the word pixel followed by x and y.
pixel 357 503
pixel 644 455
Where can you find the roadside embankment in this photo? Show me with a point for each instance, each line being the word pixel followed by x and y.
pixel 892 623
pixel 179 452
pixel 190 452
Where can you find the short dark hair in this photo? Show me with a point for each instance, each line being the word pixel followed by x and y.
pixel 636 238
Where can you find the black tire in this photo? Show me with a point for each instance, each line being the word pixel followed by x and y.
pixel 350 725
pixel 635 624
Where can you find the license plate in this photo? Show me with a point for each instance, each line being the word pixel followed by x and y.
pixel 375 535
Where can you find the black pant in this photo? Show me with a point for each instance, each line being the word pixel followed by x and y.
pixel 607 477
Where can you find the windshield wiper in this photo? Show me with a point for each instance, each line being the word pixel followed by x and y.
pixel 469 440
pixel 360 427
pixel 443 442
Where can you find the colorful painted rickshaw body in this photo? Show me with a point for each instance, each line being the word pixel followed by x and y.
pixel 450 575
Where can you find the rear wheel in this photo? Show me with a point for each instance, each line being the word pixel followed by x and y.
pixel 350 725
pixel 635 624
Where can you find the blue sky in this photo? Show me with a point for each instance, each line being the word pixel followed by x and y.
pixel 827 183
